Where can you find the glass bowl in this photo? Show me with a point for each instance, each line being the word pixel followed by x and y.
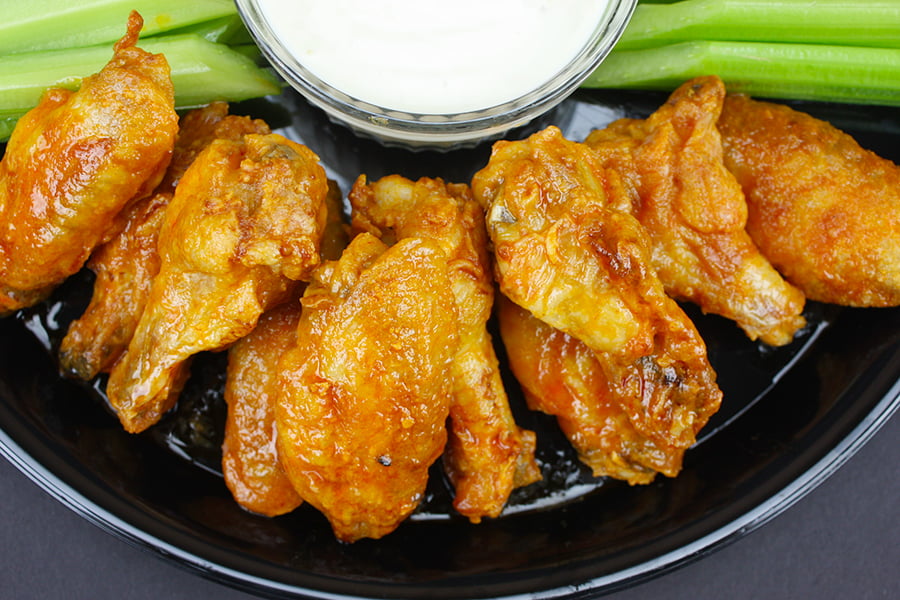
pixel 421 130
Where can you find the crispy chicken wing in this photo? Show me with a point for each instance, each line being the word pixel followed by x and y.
pixel 568 251
pixel 75 162
pixel 245 223
pixel 825 211
pixel 695 214
pixel 487 455
pixel 124 268
pixel 562 377
pixel 126 265
pixel 366 388
pixel 250 464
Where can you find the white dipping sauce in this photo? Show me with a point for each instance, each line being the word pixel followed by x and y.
pixel 430 56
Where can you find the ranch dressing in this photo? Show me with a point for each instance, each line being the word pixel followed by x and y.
pixel 434 57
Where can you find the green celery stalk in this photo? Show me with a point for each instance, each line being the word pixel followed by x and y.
pixel 29 26
pixel 833 22
pixel 7 124
pixel 848 74
pixel 202 71
pixel 223 30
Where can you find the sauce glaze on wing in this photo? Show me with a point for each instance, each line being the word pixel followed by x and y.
pixel 824 210
pixel 487 455
pixel 365 389
pixel 569 252
pixel 694 213
pixel 75 161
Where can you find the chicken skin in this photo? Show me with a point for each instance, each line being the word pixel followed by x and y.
pixel 695 214
pixel 125 266
pixel 487 455
pixel 561 376
pixel 75 162
pixel 568 251
pixel 244 225
pixel 366 388
pixel 250 464
pixel 822 209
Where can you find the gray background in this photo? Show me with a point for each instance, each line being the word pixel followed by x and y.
pixel 840 541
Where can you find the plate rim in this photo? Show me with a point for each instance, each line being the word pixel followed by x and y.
pixel 172 552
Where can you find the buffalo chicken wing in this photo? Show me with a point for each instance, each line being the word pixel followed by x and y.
pixel 825 211
pixel 695 214
pixel 569 252
pixel 75 162
pixel 125 266
pixel 487 455
pixel 244 225
pixel 366 386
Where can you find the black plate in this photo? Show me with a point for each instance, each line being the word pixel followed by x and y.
pixel 790 417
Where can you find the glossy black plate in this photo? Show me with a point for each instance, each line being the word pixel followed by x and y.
pixel 790 417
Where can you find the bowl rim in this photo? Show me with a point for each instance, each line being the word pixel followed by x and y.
pixel 434 130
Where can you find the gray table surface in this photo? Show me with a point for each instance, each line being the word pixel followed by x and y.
pixel 840 541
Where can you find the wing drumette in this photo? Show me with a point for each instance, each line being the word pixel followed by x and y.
pixel 366 389
pixel 245 224
pixel 568 250
pixel 825 211
pixel 695 214
pixel 75 162
pixel 126 265
pixel 488 455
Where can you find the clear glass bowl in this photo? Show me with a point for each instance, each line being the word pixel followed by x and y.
pixel 420 130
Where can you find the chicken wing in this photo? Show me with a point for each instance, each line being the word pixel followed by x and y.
pixel 244 224
pixel 561 376
pixel 695 214
pixel 568 251
pixel 125 266
pixel 366 388
pixel 825 211
pixel 250 464
pixel 75 162
pixel 487 455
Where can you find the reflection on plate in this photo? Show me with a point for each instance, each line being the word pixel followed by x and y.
pixel 790 416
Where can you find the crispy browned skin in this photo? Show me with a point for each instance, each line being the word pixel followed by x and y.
pixel 74 162
pixel 568 250
pixel 487 455
pixel 562 377
pixel 124 268
pixel 126 265
pixel 366 389
pixel 695 214
pixel 245 223
pixel 825 211
pixel 250 463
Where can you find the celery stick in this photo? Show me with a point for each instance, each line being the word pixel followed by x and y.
pixel 51 24
pixel 224 30
pixel 836 22
pixel 790 71
pixel 7 124
pixel 201 72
